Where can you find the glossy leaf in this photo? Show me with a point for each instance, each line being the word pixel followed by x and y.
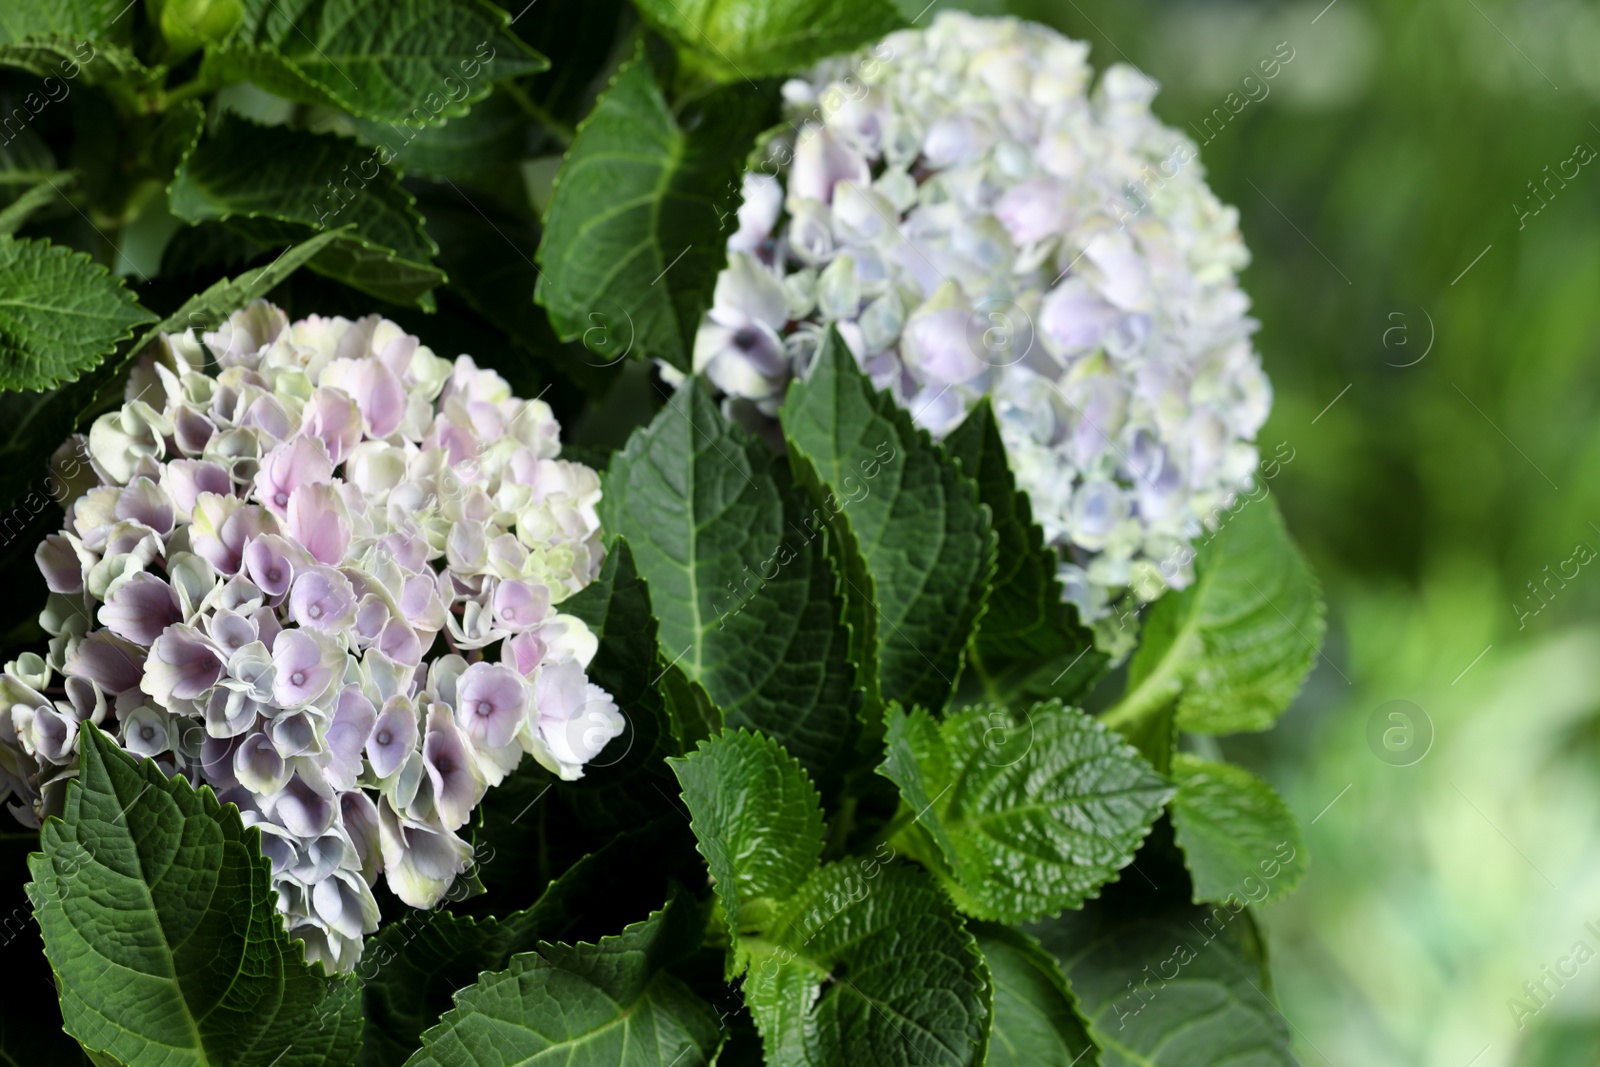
pixel 921 532
pixel 1023 815
pixel 747 603
pixel 159 921
pixel 641 209
pixel 1239 837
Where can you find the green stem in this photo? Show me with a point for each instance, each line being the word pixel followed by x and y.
pixel 534 110
pixel 187 91
pixel 887 831
pixel 839 832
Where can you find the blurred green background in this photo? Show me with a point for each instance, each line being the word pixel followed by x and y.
pixel 1431 330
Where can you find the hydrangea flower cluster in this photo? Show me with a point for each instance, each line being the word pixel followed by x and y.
pixel 975 221
pixel 250 593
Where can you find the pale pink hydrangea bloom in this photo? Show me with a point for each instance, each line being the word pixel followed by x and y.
pixel 321 572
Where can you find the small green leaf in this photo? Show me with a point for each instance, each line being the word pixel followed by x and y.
pixel 1029 640
pixel 1165 983
pixel 158 919
pixel 1024 816
pixel 408 60
pixel 747 602
pixel 1036 1021
pixel 741 39
pixel 278 185
pixel 1239 837
pixel 758 822
pixel 610 1002
pixel 869 964
pixel 922 534
pixel 1233 649
pixel 636 229
pixel 61 313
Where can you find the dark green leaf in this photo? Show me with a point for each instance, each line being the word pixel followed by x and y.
pixel 587 36
pixel 1025 815
pixel 751 38
pixel 869 964
pixel 1233 648
pixel 1239 837
pixel 413 965
pixel 159 922
pixel 758 821
pixel 609 1002
pixel 71 40
pixel 495 133
pixel 1164 983
pixel 922 534
pixel 278 185
pixel 1029 641
pixel 746 600
pixel 61 313
pixel 634 236
pixel 1036 1021
pixel 412 60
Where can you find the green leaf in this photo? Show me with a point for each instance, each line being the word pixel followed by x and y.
pixel 83 41
pixel 1029 640
pixel 61 313
pixel 1164 983
pixel 410 60
pixel 920 531
pixel 694 717
pixel 610 1002
pixel 79 19
pixel 1036 1021
pixel 69 57
pixel 869 965
pixel 751 38
pixel 413 965
pixel 277 185
pixel 1024 816
pixel 1233 649
pixel 746 600
pixel 634 236
pixel 495 133
pixel 1239 837
pixel 158 919
pixel 758 822
pixel 628 781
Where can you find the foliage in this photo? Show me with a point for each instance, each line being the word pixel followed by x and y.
pixel 859 752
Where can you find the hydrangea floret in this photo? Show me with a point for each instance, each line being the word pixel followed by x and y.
pixel 974 220
pixel 319 570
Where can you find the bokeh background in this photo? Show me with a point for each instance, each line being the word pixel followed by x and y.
pixel 1431 326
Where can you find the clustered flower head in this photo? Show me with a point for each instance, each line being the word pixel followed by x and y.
pixel 289 521
pixel 974 220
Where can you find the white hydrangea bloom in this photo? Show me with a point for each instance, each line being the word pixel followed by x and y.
pixel 974 220
pixel 289 521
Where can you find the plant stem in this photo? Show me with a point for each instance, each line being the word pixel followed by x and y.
pixel 563 132
pixel 187 91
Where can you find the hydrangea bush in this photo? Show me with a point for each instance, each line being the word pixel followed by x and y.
pixel 979 216
pixel 696 667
